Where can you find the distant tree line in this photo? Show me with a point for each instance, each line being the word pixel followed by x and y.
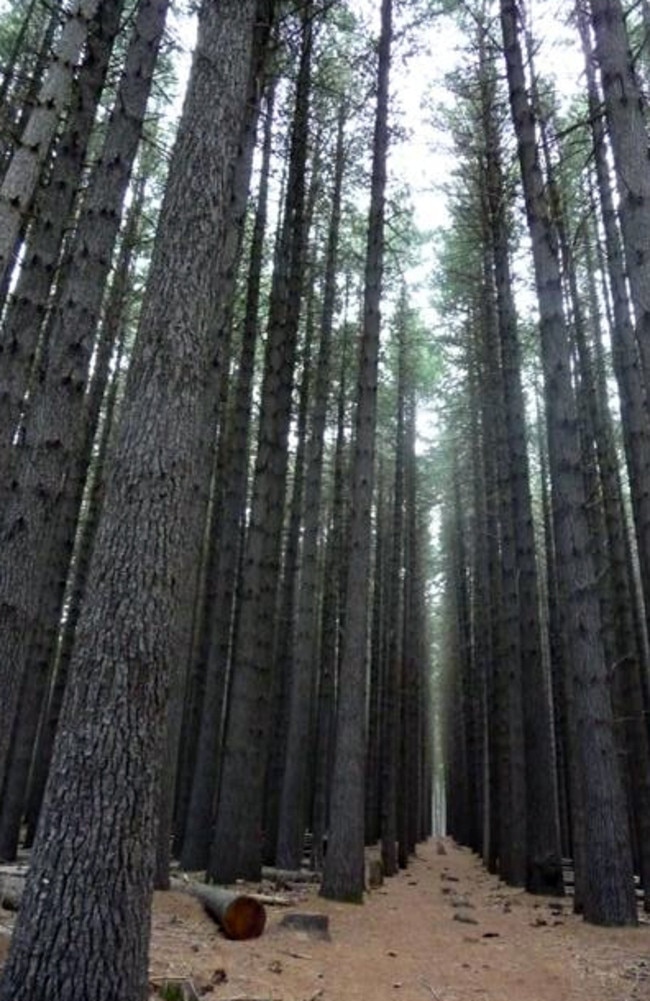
pixel 546 525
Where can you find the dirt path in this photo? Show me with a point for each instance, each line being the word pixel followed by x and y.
pixel 443 930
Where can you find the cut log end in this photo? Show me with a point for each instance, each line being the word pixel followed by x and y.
pixel 244 918
pixel 238 915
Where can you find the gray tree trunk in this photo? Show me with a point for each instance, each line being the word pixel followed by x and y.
pixel 22 177
pixel 635 414
pixel 102 394
pixel 287 852
pixel 393 688
pixel 333 592
pixel 544 872
pixel 43 507
pixel 609 891
pixel 200 813
pixel 343 877
pixel 54 203
pixel 84 928
pixel 238 837
pixel 628 129
pixel 292 810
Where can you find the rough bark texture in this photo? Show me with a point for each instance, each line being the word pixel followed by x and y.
pixel 238 836
pixel 292 814
pixel 343 874
pixel 22 177
pixel 458 774
pixel 284 815
pixel 609 892
pixel 376 669
pixel 331 618
pixel 42 511
pixel 509 665
pixel 483 628
pixel 46 657
pixel 393 687
pixel 200 819
pixel 628 127
pixel 543 869
pixel 52 211
pixel 635 416
pixel 84 928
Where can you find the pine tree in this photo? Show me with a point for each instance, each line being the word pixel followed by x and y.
pixel 343 876
pixel 84 925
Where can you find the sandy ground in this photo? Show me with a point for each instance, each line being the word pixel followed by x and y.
pixel 443 930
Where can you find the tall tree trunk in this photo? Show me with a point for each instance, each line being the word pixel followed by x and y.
pixel 199 601
pixel 375 756
pixel 100 409
pixel 331 624
pixel 482 621
pixel 43 508
pixel 302 685
pixel 513 852
pixel 627 124
pixel 27 309
pixel 609 889
pixel 629 664
pixel 633 392
pixel 84 927
pixel 456 758
pixel 343 876
pixel 238 836
pixel 23 174
pixel 416 647
pixel 284 814
pixel 199 825
pixel 393 688
pixel 543 869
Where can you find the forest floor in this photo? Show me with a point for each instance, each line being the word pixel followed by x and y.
pixel 444 930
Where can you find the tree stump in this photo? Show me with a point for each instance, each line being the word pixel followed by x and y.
pixel 374 874
pixel 11 891
pixel 314 925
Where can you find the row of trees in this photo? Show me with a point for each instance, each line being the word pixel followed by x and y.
pixel 213 624
pixel 546 532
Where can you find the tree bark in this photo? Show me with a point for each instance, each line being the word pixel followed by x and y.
pixel 292 814
pixel 200 819
pixel 53 208
pixel 543 866
pixel 238 835
pixel 627 125
pixel 84 927
pixel 343 873
pixel 239 915
pixel 609 890
pixel 43 509
pixel 24 171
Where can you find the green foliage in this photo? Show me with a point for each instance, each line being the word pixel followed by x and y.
pixel 171 990
pixel 12 21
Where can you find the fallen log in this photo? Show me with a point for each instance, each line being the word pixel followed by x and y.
pixel 271 899
pixel 185 885
pixel 238 915
pixel 290 875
